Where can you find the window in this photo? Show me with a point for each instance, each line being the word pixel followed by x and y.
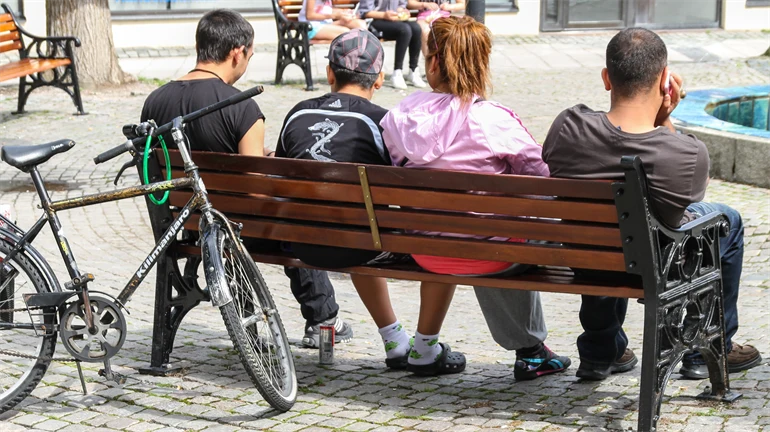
pixel 501 5
pixel 757 3
pixel 183 6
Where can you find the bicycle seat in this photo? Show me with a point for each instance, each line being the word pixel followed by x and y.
pixel 26 157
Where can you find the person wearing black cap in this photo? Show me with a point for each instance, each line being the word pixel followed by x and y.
pixel 344 126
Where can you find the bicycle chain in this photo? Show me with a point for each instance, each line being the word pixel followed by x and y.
pixel 29 356
pixel 33 357
pixel 25 309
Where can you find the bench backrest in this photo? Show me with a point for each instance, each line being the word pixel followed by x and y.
pixel 10 37
pixel 375 207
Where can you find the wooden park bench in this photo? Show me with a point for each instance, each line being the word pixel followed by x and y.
pixel 293 42
pixel 587 224
pixel 42 54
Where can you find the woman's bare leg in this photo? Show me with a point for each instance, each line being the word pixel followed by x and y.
pixel 435 299
pixel 374 294
pixel 328 32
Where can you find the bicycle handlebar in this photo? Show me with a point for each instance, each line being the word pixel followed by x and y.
pixel 131 143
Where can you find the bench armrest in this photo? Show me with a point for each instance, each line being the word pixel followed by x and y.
pixel 705 221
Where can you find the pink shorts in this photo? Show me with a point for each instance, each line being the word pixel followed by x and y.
pixel 462 266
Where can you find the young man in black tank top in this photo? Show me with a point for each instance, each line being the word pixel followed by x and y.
pixel 224 44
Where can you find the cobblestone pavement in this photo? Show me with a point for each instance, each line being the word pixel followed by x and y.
pixel 357 393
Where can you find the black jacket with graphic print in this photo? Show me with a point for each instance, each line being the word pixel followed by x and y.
pixel 336 127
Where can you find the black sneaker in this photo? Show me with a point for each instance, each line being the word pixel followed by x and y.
pixel 544 363
pixel 343 332
pixel 594 371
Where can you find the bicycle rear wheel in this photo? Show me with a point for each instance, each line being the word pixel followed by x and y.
pixel 25 353
pixel 255 327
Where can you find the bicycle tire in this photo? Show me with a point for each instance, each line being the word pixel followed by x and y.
pixel 30 378
pixel 266 356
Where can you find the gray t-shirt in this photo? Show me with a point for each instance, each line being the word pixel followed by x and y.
pixel 583 144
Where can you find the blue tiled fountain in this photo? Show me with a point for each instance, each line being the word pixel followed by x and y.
pixel 735 125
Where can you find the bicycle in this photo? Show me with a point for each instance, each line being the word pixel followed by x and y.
pixel 34 307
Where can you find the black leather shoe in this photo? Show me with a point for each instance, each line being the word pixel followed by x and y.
pixel 594 371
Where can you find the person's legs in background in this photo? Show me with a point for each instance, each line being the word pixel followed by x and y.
pixel 515 320
pixel 407 35
pixel 415 48
pixel 739 357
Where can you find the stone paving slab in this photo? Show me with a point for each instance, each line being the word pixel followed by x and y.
pixel 357 393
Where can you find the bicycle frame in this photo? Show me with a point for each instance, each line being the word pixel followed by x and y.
pixel 199 201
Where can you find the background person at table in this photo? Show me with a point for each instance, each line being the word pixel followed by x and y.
pixel 391 22
pixel 455 128
pixel 430 11
pixel 343 126
pixel 224 44
pixel 588 144
pixel 327 22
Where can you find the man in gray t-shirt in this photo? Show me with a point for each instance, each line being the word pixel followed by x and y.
pixel 588 144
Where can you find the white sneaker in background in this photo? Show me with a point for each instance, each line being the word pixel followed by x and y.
pixel 415 78
pixel 398 80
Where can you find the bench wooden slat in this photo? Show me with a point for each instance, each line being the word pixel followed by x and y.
pixel 10 36
pixel 504 184
pixel 395 176
pixel 28 66
pixel 338 192
pixel 546 280
pixel 283 3
pixel 595 259
pixel 401 219
pixel 5 18
pixel 7 26
pixel 510 206
pixel 13 46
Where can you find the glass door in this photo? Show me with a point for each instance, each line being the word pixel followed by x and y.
pixel 584 14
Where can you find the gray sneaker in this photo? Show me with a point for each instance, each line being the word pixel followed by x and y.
pixel 343 332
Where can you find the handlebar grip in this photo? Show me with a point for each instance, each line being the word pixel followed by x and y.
pixel 114 152
pixel 246 94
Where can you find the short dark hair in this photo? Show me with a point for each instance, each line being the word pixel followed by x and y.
pixel 219 32
pixel 635 59
pixel 348 77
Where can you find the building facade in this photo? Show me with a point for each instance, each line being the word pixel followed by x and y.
pixel 171 23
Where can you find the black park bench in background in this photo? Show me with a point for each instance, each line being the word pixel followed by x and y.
pixel 55 54
pixel 293 43
pixel 589 224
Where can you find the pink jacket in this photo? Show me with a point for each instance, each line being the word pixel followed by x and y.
pixel 434 130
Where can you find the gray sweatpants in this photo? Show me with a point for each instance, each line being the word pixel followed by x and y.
pixel 515 318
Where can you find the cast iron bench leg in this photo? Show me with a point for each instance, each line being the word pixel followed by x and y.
pixel 175 295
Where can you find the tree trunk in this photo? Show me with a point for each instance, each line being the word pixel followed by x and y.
pixel 90 21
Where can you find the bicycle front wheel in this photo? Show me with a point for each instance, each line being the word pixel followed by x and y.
pixel 254 325
pixel 27 337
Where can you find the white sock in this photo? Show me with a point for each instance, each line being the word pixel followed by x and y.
pixel 395 339
pixel 426 349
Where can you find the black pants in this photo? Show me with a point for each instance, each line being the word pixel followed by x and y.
pixel 311 288
pixel 314 293
pixel 405 33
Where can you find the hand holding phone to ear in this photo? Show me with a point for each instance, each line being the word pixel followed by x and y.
pixel 672 88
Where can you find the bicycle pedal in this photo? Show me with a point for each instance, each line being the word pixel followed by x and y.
pixel 79 281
